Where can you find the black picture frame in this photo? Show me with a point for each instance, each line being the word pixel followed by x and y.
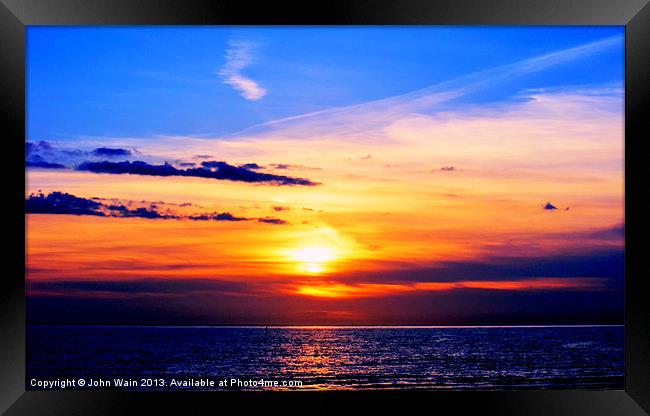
pixel 15 15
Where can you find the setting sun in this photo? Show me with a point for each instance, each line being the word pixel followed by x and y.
pixel 313 259
pixel 314 254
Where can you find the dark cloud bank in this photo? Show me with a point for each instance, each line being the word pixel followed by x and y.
pixel 64 203
pixel 45 155
pixel 111 152
pixel 113 301
pixel 38 162
pixel 139 302
pixel 208 169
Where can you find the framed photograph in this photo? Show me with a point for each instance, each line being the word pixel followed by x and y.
pixel 402 204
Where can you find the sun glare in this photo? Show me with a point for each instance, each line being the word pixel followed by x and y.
pixel 313 254
pixel 313 259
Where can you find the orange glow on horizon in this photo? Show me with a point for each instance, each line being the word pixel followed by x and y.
pixel 339 290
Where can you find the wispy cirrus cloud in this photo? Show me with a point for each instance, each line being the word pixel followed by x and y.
pixel 239 55
pixel 371 117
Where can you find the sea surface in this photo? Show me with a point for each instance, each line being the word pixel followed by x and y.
pixel 585 357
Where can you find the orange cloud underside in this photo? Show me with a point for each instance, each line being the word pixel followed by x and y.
pixel 338 290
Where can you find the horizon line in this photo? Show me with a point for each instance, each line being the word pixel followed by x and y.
pixel 259 326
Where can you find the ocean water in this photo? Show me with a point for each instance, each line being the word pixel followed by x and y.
pixel 337 357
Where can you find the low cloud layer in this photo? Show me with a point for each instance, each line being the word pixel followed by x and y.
pixel 67 204
pixel 62 203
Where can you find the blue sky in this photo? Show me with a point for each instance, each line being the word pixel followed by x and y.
pixel 146 81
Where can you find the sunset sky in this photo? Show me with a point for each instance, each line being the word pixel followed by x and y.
pixel 293 175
